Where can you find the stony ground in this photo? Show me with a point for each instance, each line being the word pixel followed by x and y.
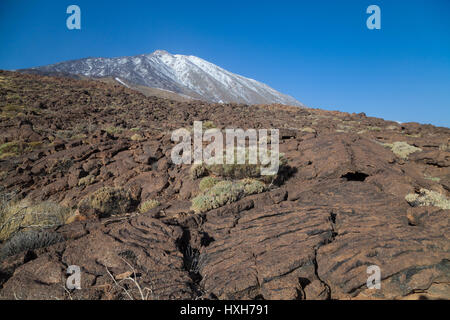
pixel 359 191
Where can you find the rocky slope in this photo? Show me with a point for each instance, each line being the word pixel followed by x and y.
pixel 185 75
pixel 340 208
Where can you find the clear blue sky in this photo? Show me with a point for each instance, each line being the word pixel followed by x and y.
pixel 320 52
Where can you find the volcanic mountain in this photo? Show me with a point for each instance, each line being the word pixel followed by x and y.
pixel 188 76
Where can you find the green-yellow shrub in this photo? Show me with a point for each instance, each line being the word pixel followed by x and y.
pixel 226 192
pixel 85 181
pixel 244 170
pixel 136 137
pixel 401 149
pixel 208 125
pixel 207 183
pixel 197 171
pixel 107 201
pixel 11 147
pixel 308 129
pixel 148 205
pixel 24 214
pixel 15 148
pixel 113 130
pixel 428 198
pixel 252 186
pixel 435 179
pixel 221 194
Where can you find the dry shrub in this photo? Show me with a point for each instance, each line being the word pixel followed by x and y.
pixel 427 197
pixel 402 149
pixel 148 205
pixel 107 201
pixel 226 192
pixel 16 216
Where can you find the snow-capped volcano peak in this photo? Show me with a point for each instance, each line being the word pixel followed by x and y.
pixel 187 75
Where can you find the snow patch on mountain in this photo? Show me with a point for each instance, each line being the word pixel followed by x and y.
pixel 121 82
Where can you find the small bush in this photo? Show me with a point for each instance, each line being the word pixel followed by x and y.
pixel 136 137
pixel 221 194
pixel 207 183
pixel 114 130
pixel 226 192
pixel 308 129
pixel 401 149
pixel 392 127
pixel 7 155
pixel 428 198
pixel 11 147
pixel 252 186
pixel 107 201
pixel 78 136
pixel 148 205
pixel 15 216
pixel 227 183
pixel 15 148
pixel 85 181
pixel 208 125
pixel 237 170
pixel 197 171
pixel 435 179
pixel 29 240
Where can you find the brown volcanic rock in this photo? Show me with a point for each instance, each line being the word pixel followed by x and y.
pixel 142 245
pixel 335 155
pixel 327 238
pixel 378 233
pixel 341 208
pixel 40 279
pixel 267 253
